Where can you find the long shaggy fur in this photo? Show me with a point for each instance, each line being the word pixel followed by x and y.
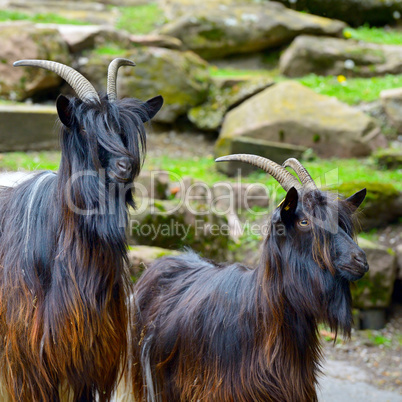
pixel 63 285
pixel 211 332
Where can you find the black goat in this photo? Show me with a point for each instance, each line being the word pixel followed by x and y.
pixel 210 332
pixel 63 286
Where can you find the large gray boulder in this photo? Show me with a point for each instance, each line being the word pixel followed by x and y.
pixel 24 40
pixel 215 31
pixel 354 12
pixel 374 290
pixel 182 78
pixel 290 113
pixel 334 56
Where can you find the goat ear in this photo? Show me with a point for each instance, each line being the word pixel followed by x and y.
pixel 289 205
pixel 63 110
pixel 356 199
pixel 153 106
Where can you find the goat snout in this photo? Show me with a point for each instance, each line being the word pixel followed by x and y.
pixel 123 166
pixel 360 265
pixel 361 261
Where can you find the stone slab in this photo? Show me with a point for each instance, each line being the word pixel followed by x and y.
pixel 28 128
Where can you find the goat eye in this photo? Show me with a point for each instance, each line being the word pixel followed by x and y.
pixel 304 223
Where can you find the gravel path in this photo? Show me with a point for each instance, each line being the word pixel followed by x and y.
pixel 344 382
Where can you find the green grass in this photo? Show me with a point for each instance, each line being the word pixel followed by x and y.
pixel 374 35
pixel 109 50
pixel 329 171
pixel 228 72
pixel 6 15
pixel 353 90
pixel 49 160
pixel 140 19
pixel 377 339
pixel 372 235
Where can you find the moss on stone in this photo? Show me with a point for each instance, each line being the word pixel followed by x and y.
pixel 376 192
pixel 371 290
pixel 215 34
pixel 389 158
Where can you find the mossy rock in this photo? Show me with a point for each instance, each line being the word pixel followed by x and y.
pixel 335 56
pixel 172 225
pixel 24 40
pixel 389 159
pixel 209 115
pixel 213 31
pixel 375 288
pixel 140 257
pixel 182 78
pixel 382 206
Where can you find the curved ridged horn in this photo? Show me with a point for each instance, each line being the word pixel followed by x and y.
pixel 83 88
pixel 279 173
pixel 301 172
pixel 112 76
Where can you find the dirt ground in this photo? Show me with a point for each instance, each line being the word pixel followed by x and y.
pixel 378 353
pixel 186 144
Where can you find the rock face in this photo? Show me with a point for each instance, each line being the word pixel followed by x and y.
pixel 333 56
pixel 182 78
pixel 215 32
pixel 391 100
pixel 173 225
pixel 290 113
pixel 209 116
pixel 26 41
pixel 375 288
pixel 382 205
pixel 354 12
pixel 32 128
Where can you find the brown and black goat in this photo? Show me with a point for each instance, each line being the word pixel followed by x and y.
pixel 63 284
pixel 212 332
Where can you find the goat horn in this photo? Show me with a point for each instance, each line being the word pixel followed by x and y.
pixel 112 76
pixel 279 173
pixel 83 88
pixel 301 172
